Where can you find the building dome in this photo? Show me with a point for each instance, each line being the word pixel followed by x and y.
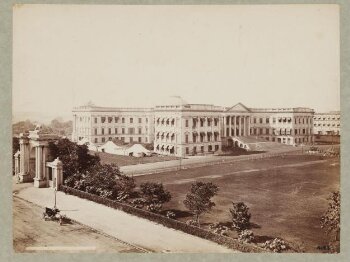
pixel 172 101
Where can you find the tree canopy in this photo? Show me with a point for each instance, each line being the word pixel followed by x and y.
pixel 198 200
pixel 75 158
pixel 155 195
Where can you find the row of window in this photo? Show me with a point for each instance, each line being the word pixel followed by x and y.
pixel 201 137
pixel 201 122
pixel 109 131
pixel 116 119
pixel 327 118
pixel 282 131
pixel 334 125
pixel 266 120
pixel 288 140
pixel 130 139
pixel 201 149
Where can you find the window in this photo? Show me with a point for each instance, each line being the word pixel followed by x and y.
pixel 103 131
pixel 110 138
pixel 202 122
pixel 96 140
pixel 140 120
pixel 103 139
pixel 110 119
pixel 267 120
pixel 123 120
pixel 131 140
pixel 146 120
pixel 261 131
pixel 123 130
pixel 210 148
pixel 115 130
pixel 131 131
pixel 122 138
pixel 186 123
pixel 187 150
pixel 116 119
pixel 95 131
pixel 140 130
pixel 216 147
pixel 103 119
pixel 202 149
pixel 109 131
pixel 260 120
pixel 254 120
pixel 95 120
pixel 186 139
pixel 131 120
pixel 140 139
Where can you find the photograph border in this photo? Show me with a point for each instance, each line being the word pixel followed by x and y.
pixel 6 246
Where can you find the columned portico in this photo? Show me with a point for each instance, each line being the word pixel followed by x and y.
pixel 33 152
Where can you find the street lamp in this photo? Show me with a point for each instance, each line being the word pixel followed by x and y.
pixel 55 198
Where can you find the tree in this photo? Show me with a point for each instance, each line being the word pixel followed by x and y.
pixel 155 195
pixel 75 158
pixel 198 200
pixel 330 221
pixel 240 216
pixel 103 180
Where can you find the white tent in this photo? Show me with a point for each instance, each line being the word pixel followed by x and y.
pixel 85 141
pixel 111 148
pixel 137 150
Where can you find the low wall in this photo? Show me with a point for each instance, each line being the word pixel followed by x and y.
pixel 168 222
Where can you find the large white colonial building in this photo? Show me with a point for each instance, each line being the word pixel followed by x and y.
pixel 327 123
pixel 176 127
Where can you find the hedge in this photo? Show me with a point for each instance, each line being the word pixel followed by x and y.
pixel 168 222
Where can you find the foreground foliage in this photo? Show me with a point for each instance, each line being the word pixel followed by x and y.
pixel 240 216
pixel 198 200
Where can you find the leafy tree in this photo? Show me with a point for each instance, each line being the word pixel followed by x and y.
pixel 75 158
pixel 103 180
pixel 155 195
pixel 198 200
pixel 330 221
pixel 240 216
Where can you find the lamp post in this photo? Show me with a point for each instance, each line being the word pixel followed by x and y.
pixel 55 198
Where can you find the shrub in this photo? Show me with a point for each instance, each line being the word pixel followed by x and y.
pixel 219 229
pixel 155 195
pixel 170 214
pixel 246 236
pixel 198 200
pixel 192 222
pixel 276 245
pixel 240 216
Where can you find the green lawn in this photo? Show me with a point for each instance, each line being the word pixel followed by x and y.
pixel 129 160
pixel 285 201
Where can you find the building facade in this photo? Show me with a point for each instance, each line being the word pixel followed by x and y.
pixel 178 128
pixel 327 123
pixel 101 124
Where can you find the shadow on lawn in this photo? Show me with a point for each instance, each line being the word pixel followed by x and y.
pixel 178 213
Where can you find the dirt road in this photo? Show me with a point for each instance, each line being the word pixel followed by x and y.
pixel 32 234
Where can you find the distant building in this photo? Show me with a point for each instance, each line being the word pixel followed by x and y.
pixel 327 123
pixel 101 124
pixel 176 127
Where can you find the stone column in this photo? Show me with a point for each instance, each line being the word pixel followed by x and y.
pixel 244 126
pixel 39 166
pixel 17 162
pixel 248 118
pixel 230 127
pixel 24 175
pixel 239 126
pixel 234 126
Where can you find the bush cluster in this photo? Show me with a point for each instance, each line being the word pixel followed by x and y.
pixel 276 245
pixel 172 223
pixel 219 229
pixel 246 236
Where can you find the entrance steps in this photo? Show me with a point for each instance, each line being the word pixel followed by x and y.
pixel 251 143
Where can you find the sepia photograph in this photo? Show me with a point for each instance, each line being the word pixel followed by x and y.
pixel 176 128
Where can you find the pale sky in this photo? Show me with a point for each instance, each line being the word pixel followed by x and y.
pixel 262 56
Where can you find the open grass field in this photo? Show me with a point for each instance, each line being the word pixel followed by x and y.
pixel 129 160
pixel 286 195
